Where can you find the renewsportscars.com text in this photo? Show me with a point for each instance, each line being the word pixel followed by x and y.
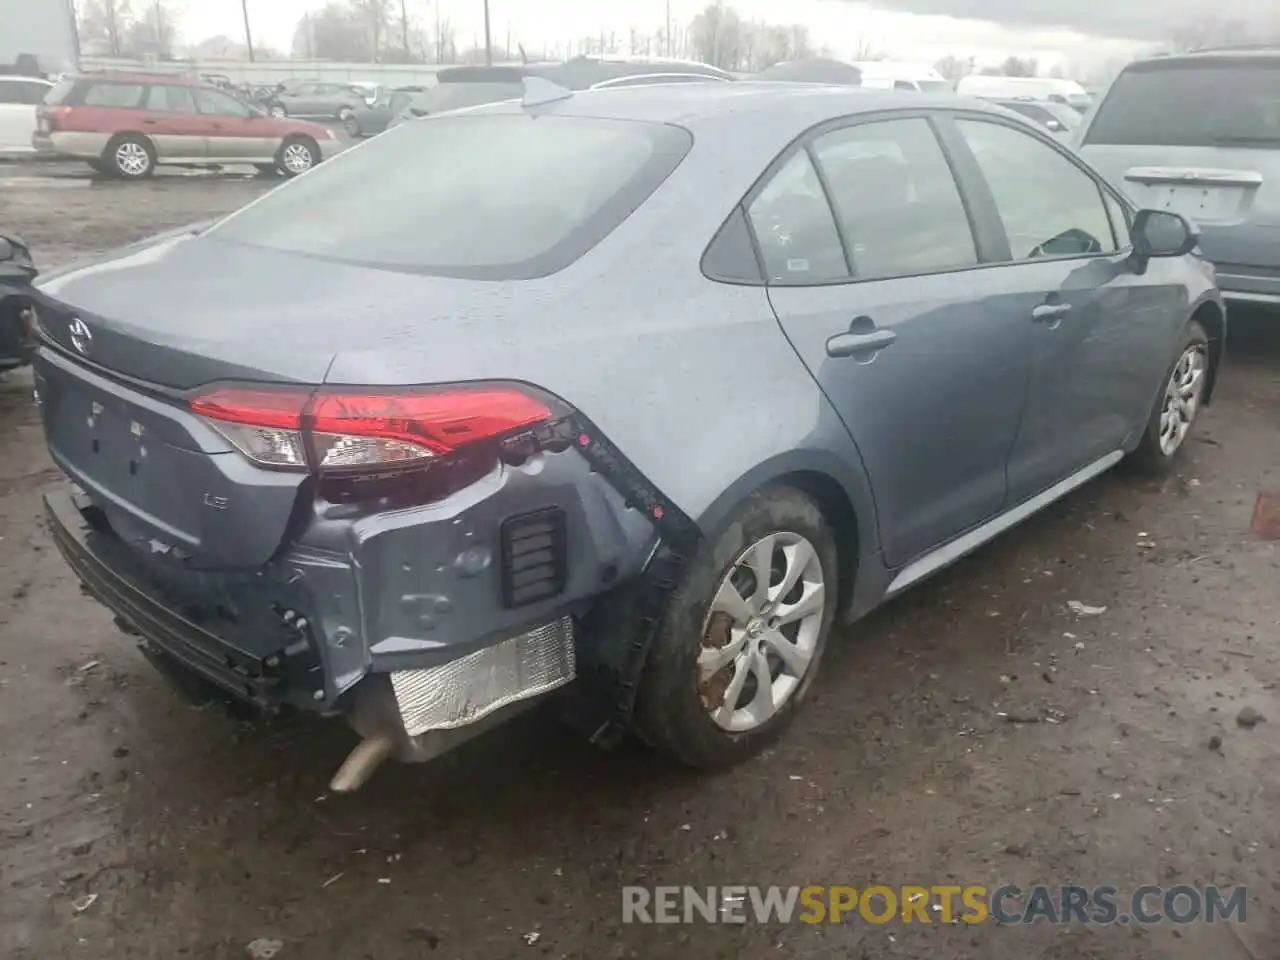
pixel 1006 904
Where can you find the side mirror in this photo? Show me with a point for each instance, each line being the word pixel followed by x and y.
pixel 1162 233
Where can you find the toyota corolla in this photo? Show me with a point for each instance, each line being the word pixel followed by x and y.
pixel 627 397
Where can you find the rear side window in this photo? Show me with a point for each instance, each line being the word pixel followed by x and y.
pixel 1215 102
pixel 899 207
pixel 120 95
pixel 488 197
pixel 22 92
pixel 172 99
pixel 1049 206
pixel 795 228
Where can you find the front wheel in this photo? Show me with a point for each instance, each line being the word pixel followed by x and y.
pixel 743 635
pixel 1177 405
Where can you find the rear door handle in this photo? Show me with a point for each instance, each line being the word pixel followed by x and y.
pixel 1048 312
pixel 852 344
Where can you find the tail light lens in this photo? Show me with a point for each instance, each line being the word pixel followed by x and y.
pixel 53 116
pixel 364 432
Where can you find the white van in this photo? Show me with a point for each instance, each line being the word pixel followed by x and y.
pixel 897 75
pixel 1051 89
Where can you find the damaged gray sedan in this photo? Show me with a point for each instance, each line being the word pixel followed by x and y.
pixel 626 396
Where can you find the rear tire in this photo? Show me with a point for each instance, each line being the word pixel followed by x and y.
pixel 130 156
pixel 297 155
pixel 702 698
pixel 1176 405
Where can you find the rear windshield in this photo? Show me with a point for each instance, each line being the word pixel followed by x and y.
pixel 1192 104
pixel 487 197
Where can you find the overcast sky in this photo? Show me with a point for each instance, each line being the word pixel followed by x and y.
pixel 1077 30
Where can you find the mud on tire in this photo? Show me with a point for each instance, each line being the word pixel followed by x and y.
pixel 675 701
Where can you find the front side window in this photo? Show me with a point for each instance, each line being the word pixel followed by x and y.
pixel 117 95
pixel 487 197
pixel 1048 205
pixel 795 228
pixel 1198 103
pixel 217 103
pixel 899 207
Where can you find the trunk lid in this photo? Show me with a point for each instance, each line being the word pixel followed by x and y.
pixel 164 312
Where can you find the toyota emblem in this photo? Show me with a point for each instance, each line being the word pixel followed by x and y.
pixel 80 334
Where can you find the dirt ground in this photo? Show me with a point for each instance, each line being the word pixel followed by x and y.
pixel 197 834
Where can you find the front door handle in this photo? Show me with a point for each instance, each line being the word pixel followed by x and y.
pixel 1048 312
pixel 853 344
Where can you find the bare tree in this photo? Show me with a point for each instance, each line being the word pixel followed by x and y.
pixel 446 45
pixel 955 68
pixel 1019 67
pixel 106 22
pixel 864 48
pixel 155 32
pixel 337 31
pixel 716 35
pixel 376 16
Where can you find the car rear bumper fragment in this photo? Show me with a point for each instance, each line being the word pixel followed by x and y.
pixel 230 663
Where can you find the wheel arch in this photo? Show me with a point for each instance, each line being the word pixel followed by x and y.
pixel 841 491
pixel 1211 315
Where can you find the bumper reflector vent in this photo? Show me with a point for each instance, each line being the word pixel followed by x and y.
pixel 470 688
pixel 534 557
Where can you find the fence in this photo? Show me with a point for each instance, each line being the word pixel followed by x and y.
pixel 269 72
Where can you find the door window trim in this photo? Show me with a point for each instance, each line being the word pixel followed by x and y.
pixel 982 190
pixel 986 232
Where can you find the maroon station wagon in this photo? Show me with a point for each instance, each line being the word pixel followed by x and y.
pixel 127 125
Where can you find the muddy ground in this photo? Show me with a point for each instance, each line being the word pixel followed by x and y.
pixel 196 834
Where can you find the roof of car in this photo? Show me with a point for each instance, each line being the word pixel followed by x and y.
pixel 114 77
pixel 1261 52
pixel 792 106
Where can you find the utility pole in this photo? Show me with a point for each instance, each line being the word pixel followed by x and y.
pixel 404 27
pixel 668 34
pixel 488 39
pixel 248 35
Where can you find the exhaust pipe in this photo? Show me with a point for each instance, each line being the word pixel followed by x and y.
pixel 360 764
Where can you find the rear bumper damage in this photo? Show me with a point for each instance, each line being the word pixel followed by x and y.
pixel 412 623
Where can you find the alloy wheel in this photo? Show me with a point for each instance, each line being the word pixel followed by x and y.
pixel 1182 398
pixel 132 159
pixel 297 158
pixel 761 632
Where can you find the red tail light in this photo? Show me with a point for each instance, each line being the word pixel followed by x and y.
pixel 364 431
pixel 53 116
